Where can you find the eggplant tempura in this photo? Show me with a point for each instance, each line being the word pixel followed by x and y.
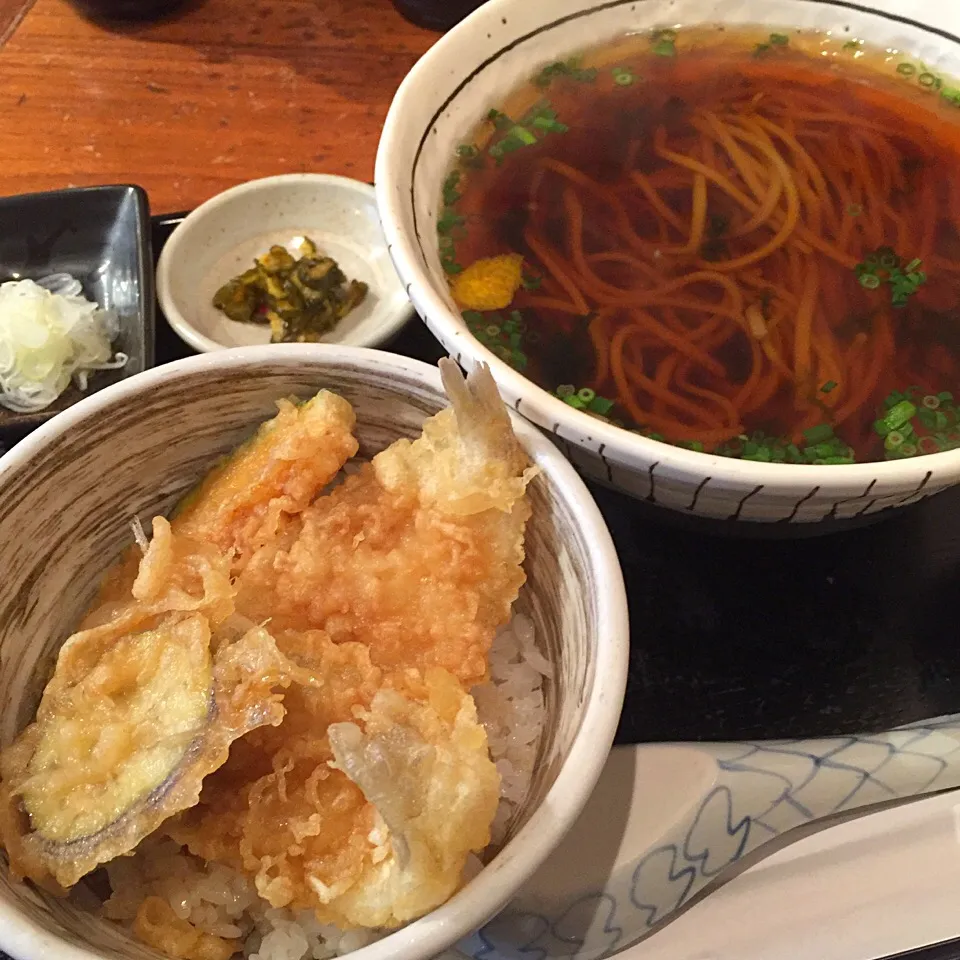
pixel 281 683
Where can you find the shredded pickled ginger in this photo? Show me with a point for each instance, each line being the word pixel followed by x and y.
pixel 47 339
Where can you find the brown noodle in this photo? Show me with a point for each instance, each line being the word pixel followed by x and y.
pixel 810 190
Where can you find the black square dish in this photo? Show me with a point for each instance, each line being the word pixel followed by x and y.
pixel 100 235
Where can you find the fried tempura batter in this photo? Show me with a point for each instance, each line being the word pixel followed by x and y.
pixel 383 596
pixel 141 707
pixel 419 556
pixel 242 502
pixel 409 568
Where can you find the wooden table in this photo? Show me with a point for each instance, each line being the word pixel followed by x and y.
pixel 227 91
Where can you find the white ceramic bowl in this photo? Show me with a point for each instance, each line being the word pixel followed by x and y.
pixel 220 239
pixel 68 491
pixel 471 69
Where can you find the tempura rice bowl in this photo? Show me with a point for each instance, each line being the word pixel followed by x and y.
pixel 69 491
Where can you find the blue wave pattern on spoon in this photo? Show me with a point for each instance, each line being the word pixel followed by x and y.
pixel 760 791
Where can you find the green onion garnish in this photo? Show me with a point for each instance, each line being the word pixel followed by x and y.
pixel 523 135
pixel 779 39
pixel 550 125
pixel 819 433
pixel 829 386
pixel 951 95
pixel 906 69
pixel 929 80
pixel 664 43
pixel 448 221
pixel 899 414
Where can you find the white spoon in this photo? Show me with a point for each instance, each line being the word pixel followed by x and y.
pixel 665 821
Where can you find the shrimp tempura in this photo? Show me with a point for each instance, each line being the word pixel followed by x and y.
pixel 419 556
pixel 365 804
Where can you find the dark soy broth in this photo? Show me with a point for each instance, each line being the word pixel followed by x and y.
pixel 740 242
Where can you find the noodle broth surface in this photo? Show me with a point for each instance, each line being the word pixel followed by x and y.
pixel 743 242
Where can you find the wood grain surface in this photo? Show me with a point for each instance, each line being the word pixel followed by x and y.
pixel 227 91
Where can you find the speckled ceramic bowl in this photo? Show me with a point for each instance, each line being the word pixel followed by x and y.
pixel 220 239
pixel 68 491
pixel 478 63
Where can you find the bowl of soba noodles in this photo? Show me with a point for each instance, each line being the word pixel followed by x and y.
pixel 716 255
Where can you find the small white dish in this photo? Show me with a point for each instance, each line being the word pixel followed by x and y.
pixel 221 238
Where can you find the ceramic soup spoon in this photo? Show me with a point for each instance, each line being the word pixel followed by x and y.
pixel 665 821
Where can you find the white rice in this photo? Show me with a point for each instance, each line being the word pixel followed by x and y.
pixel 222 902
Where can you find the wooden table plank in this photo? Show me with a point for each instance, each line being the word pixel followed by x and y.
pixel 228 91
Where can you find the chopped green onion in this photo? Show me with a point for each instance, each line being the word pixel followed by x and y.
pixel 870 281
pixel 450 266
pixel 622 76
pixel 523 135
pixel 908 450
pixel 665 48
pixel 945 395
pixel 574 401
pixel 929 80
pixel 852 45
pixel 899 414
pixel 586 394
pixel 565 390
pixel 906 69
pixel 601 405
pixel 829 386
pixel 854 210
pixel 549 124
pixel 780 39
pixel 760 49
pixel 531 282
pixel 472 316
pixel 819 433
pixel 448 221
pixel 894 439
pixel 931 402
pixel 492 330
pixel 927 418
pixel 467 150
